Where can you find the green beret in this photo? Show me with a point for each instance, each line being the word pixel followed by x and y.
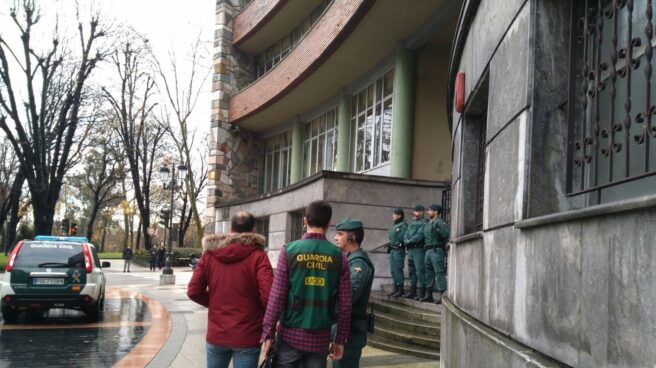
pixel 435 207
pixel 348 223
pixel 398 211
pixel 419 208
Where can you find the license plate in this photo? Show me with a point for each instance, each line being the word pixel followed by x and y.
pixel 48 281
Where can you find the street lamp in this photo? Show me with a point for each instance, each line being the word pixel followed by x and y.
pixel 167 276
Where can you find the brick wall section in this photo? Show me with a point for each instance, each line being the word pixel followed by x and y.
pixel 328 33
pixel 253 17
pixel 233 154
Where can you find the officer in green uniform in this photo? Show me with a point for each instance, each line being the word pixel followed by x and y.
pixel 348 238
pixel 395 234
pixel 414 242
pixel 436 234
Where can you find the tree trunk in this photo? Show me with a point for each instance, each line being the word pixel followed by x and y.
pixel 102 239
pixel 138 236
pixel 92 219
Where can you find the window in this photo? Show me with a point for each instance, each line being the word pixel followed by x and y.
pixel 275 165
pixel 274 54
pixel 372 117
pixel 473 152
pixel 320 143
pixel 611 128
pixel 262 227
pixel 296 228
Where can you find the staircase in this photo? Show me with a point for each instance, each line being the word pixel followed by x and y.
pixel 405 326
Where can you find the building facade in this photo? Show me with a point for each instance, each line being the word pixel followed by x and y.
pixel 329 99
pixel 553 188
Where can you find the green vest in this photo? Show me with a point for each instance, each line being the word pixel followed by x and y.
pixel 314 268
pixel 396 233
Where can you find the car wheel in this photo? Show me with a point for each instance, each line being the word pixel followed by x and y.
pixel 94 314
pixel 10 315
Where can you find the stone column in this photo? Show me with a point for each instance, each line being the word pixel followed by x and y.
pixel 344 134
pixel 232 170
pixel 297 152
pixel 403 112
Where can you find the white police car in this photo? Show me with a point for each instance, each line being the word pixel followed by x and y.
pixel 53 272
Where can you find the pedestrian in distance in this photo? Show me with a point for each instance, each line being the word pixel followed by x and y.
pixel 436 235
pixel 153 257
pixel 161 256
pixel 232 280
pixel 396 251
pixel 348 238
pixel 127 259
pixel 311 291
pixel 414 242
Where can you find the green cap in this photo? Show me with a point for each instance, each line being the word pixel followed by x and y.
pixel 435 207
pixel 348 223
pixel 419 208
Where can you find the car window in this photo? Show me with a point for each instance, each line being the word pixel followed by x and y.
pixel 50 254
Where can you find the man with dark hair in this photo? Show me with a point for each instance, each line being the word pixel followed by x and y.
pixel 350 234
pixel 395 234
pixel 436 234
pixel 311 287
pixel 233 279
pixel 242 222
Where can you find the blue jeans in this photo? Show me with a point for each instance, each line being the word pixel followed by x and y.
pixel 219 356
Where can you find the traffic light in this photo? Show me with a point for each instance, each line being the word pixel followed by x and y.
pixel 64 226
pixel 164 217
pixel 73 229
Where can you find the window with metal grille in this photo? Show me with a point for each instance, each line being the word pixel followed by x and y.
pixel 446 204
pixel 296 228
pixel 262 227
pixel 612 135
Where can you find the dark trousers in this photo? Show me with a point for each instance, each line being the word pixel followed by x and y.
pixel 289 357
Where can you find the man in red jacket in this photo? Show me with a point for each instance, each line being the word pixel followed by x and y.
pixel 233 279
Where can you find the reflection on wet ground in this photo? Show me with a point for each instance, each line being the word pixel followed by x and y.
pixel 64 338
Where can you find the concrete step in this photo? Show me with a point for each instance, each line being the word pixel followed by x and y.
pixel 429 307
pixel 402 348
pixel 404 312
pixel 408 338
pixel 396 323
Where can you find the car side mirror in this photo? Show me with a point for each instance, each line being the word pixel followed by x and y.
pixel 105 265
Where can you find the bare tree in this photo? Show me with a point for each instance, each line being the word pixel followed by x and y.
pixel 182 96
pixel 141 135
pixel 103 171
pixel 11 185
pixel 41 105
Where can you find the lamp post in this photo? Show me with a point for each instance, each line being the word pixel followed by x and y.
pixel 167 276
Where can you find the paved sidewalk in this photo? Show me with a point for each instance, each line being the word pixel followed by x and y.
pixel 185 346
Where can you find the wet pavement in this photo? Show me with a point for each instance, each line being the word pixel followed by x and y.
pixel 144 325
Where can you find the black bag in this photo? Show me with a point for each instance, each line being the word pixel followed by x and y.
pixel 270 360
pixel 371 319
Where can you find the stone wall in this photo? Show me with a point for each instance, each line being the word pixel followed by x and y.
pixel 233 154
pixel 547 281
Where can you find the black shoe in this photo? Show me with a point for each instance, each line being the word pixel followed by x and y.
pixel 396 290
pixel 428 298
pixel 412 293
pixel 422 292
pixel 399 292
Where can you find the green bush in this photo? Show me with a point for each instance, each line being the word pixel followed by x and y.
pixel 185 252
pixel 141 252
pixel 110 255
pixel 3 262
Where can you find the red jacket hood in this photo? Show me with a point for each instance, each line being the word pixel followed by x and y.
pixel 233 247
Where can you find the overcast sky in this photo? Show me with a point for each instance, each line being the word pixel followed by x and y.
pixel 169 25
